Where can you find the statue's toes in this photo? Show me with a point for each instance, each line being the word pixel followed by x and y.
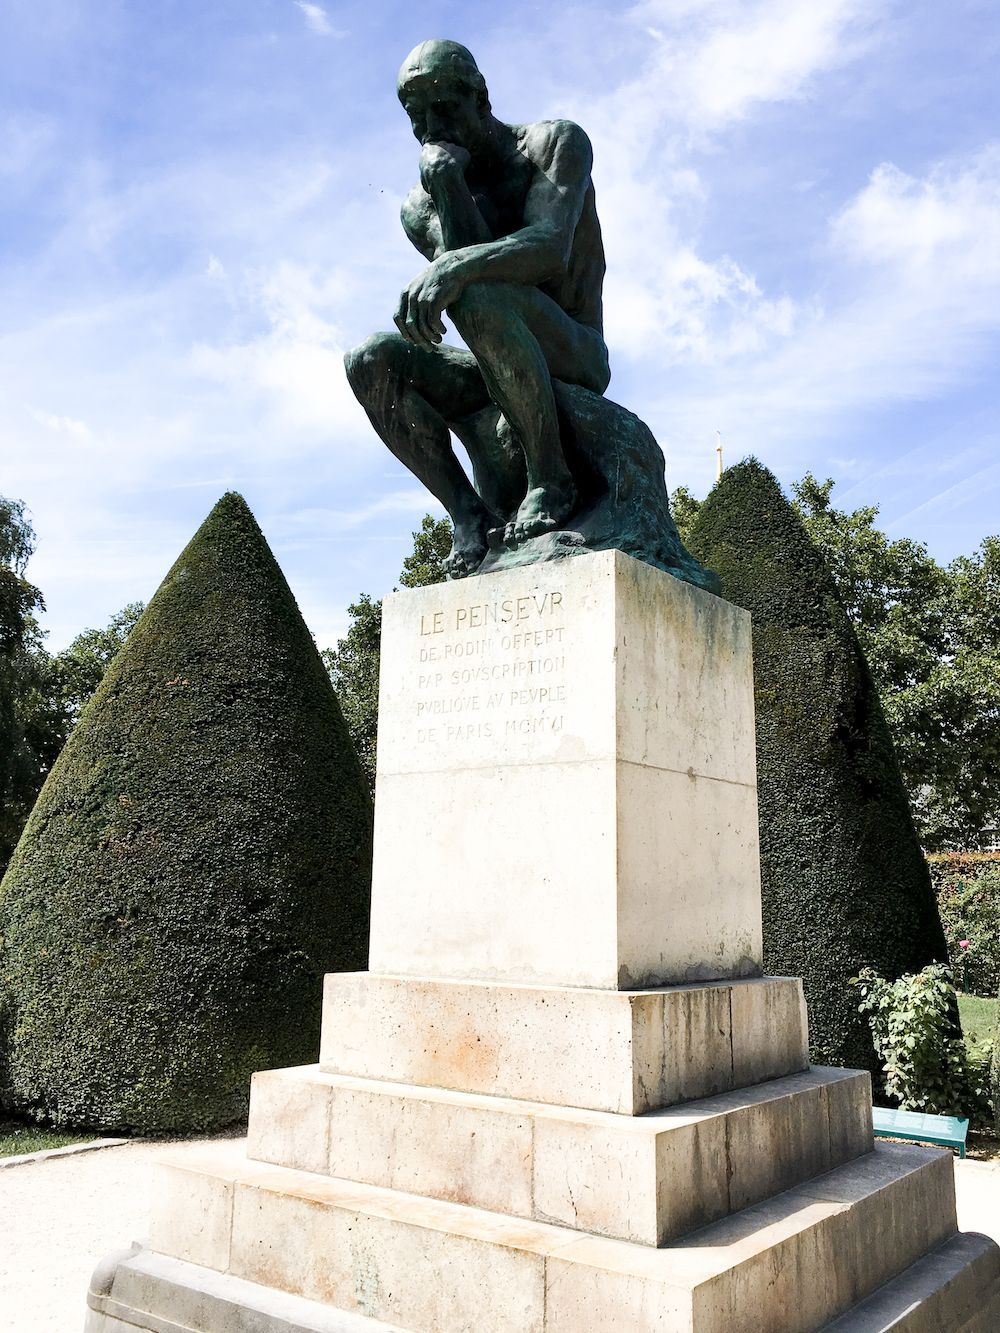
pixel 536 526
pixel 460 564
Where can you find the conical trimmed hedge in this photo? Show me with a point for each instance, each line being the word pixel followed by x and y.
pixel 198 858
pixel 844 881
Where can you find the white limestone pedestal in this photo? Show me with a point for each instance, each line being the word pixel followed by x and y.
pixel 563 1098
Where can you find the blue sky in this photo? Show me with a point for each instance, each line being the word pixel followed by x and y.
pixel 199 213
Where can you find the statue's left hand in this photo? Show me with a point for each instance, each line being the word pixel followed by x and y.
pixel 418 315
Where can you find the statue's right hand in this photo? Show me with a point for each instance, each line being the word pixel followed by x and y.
pixel 442 161
pixel 418 314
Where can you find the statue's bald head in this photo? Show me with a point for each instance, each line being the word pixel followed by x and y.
pixel 439 62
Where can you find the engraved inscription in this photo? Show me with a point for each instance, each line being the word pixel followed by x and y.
pixel 491 670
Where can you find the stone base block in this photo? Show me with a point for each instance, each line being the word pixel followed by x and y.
pixel 793 1263
pixel 646 1178
pixel 622 1051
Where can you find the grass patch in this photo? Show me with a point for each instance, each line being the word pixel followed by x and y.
pixel 17 1138
pixel 979 1016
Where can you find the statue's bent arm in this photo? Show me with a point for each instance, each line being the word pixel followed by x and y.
pixel 551 212
pixel 536 253
pixel 540 250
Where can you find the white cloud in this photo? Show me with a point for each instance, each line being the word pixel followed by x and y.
pixel 77 430
pixel 708 65
pixel 713 62
pixel 295 364
pixel 318 20
pixel 938 234
pixel 740 55
pixel 912 310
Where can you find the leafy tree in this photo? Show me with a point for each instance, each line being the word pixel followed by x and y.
pixel 844 881
pixel 354 663
pixel 425 563
pixel 77 671
pixel 23 751
pixel 961 792
pixel 41 695
pixel 353 667
pixel 199 857
pixel 684 508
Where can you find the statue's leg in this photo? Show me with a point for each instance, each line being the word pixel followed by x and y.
pixel 521 338
pixel 410 394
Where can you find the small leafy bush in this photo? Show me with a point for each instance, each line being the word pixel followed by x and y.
pixel 983 1106
pixel 916 1034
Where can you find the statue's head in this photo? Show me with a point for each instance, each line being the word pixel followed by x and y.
pixel 444 94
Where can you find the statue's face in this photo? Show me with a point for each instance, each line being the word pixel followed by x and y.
pixel 443 112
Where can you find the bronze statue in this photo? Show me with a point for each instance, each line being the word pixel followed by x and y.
pixel 506 217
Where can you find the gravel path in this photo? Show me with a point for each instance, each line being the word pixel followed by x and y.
pixel 59 1217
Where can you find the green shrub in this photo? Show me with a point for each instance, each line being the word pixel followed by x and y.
pixel 968 895
pixel 916 1035
pixel 198 858
pixel 844 881
pixel 995 1076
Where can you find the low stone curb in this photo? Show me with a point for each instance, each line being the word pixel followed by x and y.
pixel 70 1149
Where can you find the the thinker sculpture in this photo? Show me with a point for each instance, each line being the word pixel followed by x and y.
pixel 506 216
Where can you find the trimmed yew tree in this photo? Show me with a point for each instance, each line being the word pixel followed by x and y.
pixel 845 884
pixel 198 858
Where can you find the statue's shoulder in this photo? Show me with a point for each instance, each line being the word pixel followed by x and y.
pixel 547 142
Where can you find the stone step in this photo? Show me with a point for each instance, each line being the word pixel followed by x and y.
pixel 954 1289
pixel 605 1050
pixel 646 1178
pixel 789 1265
pixel 145 1290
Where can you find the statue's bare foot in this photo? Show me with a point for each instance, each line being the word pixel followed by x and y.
pixel 468 549
pixel 543 509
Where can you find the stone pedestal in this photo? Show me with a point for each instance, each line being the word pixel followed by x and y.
pixel 563 1099
pixel 566 780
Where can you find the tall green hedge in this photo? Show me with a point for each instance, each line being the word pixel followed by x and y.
pixel 844 881
pixel 198 858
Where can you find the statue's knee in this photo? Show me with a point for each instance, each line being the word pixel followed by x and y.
pixel 372 360
pixel 480 310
